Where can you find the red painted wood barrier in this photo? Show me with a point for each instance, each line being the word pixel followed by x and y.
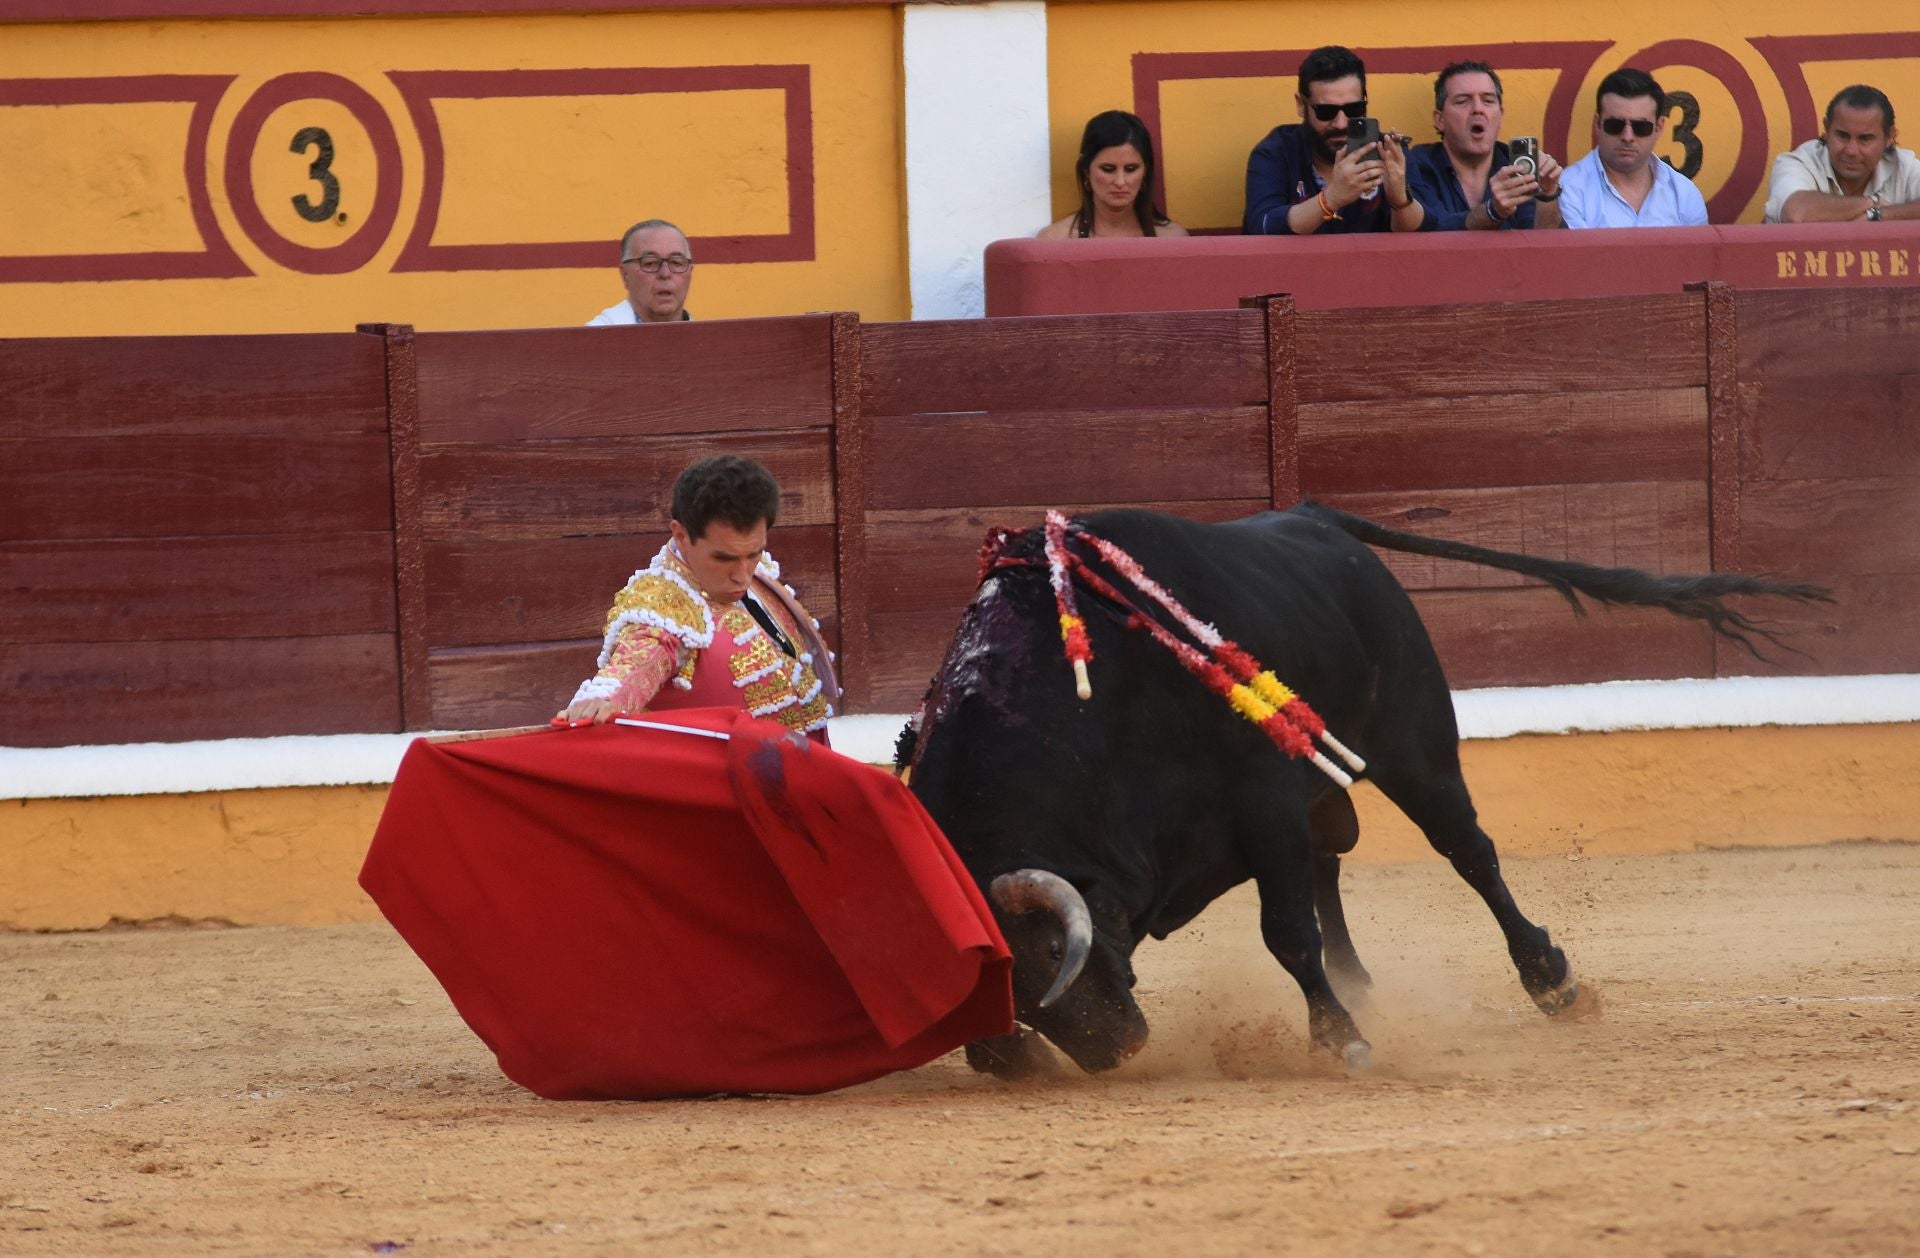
pixel 1054 277
pixel 235 536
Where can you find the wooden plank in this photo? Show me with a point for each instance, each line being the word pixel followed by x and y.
pixel 1815 530
pixel 151 386
pixel 1723 422
pixel 605 485
pixel 932 558
pixel 1283 400
pixel 298 585
pixel 1512 439
pixel 1658 527
pixel 851 462
pixel 1530 637
pixel 548 589
pixel 691 377
pixel 409 530
pixel 166 486
pixel 1650 342
pixel 907 647
pixel 1828 333
pixel 1804 427
pixel 1867 629
pixel 1204 358
pixel 60 693
pixel 486 687
pixel 998 459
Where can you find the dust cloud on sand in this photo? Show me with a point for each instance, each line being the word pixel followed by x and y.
pixel 1753 1088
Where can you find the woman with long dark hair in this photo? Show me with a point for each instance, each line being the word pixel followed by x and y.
pixel 1115 172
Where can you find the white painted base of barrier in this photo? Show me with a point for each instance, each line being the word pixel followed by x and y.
pixel 353 759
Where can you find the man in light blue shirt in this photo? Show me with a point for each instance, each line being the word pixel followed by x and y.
pixel 1621 183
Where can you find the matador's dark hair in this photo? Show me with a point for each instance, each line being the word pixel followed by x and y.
pixel 728 488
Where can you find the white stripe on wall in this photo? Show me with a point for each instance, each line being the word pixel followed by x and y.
pixel 348 759
pixel 977 140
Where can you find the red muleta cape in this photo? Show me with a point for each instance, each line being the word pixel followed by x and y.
pixel 624 912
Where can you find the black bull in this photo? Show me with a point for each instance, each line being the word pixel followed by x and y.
pixel 1093 824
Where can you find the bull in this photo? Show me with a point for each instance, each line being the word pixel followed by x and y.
pixel 1094 824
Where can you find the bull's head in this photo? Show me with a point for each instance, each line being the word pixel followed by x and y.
pixel 1071 980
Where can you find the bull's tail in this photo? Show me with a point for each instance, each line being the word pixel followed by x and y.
pixel 1697 597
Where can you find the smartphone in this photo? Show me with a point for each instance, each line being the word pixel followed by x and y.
pixel 1362 132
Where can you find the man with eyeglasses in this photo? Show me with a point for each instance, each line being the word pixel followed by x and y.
pixel 1468 180
pixel 656 265
pixel 1621 183
pixel 1852 172
pixel 1302 180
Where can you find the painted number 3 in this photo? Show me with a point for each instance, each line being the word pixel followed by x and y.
pixel 320 170
pixel 1690 150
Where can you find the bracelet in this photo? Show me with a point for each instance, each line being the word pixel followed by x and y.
pixel 1542 197
pixel 1327 212
pixel 1403 205
pixel 1493 215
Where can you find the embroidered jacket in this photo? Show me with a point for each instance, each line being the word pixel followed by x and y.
pixel 662 629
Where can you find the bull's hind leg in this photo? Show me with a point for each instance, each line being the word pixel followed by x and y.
pixel 1282 860
pixel 1335 831
pixel 1434 797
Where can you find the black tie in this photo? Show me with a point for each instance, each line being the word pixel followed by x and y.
pixel 765 621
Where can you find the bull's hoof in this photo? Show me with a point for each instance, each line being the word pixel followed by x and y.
pixel 1572 1001
pixel 1358 1057
pixel 1021 1055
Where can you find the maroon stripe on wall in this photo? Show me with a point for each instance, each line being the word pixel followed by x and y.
pixel 203 91
pixel 420 88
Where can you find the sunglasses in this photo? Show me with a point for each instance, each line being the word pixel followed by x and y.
pixel 1642 127
pixel 1352 109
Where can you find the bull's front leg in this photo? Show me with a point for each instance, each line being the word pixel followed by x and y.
pixel 1021 1055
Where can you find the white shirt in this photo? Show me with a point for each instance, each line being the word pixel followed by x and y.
pixel 622 312
pixel 1809 168
pixel 1589 199
pixel 618 313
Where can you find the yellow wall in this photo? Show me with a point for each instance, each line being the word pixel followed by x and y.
pixel 1210 123
pixel 292 855
pixel 104 179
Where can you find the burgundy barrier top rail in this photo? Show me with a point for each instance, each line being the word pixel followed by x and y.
pixel 1033 277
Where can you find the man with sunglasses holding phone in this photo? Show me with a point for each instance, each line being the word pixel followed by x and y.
pixel 1304 178
pixel 1622 183
pixel 656 266
pixel 1852 172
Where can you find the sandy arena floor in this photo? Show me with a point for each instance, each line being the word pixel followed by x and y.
pixel 1753 1089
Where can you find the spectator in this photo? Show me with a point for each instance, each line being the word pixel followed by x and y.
pixel 1302 179
pixel 1621 183
pixel 1115 171
pixel 656 265
pixel 1851 172
pixel 1467 180
pixel 710 615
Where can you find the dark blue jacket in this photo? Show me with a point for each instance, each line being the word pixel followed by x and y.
pixel 1280 175
pixel 1432 182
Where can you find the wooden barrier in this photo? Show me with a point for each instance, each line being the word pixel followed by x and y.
pixel 983 422
pixel 228 536
pixel 1049 277
pixel 196 539
pixel 545 461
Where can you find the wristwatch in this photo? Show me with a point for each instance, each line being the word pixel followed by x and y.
pixel 1873 208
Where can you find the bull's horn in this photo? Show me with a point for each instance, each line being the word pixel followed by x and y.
pixel 1025 890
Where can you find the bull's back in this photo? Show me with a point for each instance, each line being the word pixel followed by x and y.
pixel 1307 599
